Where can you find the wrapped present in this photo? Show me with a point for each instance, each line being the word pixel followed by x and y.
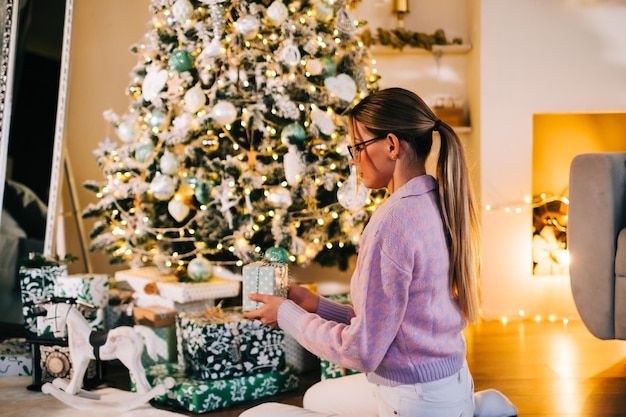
pixel 299 357
pixel 37 284
pixel 89 288
pixel 154 316
pixel 162 322
pixel 143 300
pixel 223 343
pixel 15 358
pixel 164 345
pixel 201 396
pixel 328 369
pixel 263 277
pixel 149 281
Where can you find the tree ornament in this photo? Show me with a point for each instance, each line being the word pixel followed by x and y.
pixel 342 86
pixel 279 197
pixel 182 10
pixel 292 133
pixel 157 119
pixel 169 163
pixel 289 54
pixel 322 120
pixel 319 147
pixel 200 269
pixel 153 83
pixel 143 152
pixel 224 113
pixel 127 131
pixel 277 254
pixel 344 21
pixel 314 67
pixel 204 189
pixel 353 194
pixel 194 99
pixel 212 49
pixel 210 143
pixel 248 26
pixel 180 60
pixel 328 67
pixel 323 11
pixel 294 166
pixel 178 209
pixel 277 12
pixel 162 187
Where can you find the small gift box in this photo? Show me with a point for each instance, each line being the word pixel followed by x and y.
pixel 92 289
pixel 37 285
pixel 222 343
pixel 15 358
pixel 263 277
pixel 201 396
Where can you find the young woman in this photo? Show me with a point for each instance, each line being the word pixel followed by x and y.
pixel 414 286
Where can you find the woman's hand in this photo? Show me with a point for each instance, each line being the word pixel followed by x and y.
pixel 268 312
pixel 304 298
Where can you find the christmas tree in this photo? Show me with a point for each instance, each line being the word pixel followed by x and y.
pixel 235 139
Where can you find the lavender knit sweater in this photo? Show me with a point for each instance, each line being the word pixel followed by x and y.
pixel 404 326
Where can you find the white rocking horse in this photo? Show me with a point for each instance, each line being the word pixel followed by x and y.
pixel 125 343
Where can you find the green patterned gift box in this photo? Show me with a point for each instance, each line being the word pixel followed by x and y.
pixel 223 343
pixel 37 285
pixel 201 396
pixel 15 358
pixel 263 277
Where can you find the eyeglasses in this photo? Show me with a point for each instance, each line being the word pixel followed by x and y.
pixel 354 150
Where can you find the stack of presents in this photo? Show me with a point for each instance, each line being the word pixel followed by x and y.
pixel 215 354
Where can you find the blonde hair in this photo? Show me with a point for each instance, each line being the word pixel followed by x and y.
pixel 404 113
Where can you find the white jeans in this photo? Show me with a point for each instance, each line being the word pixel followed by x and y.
pixel 354 396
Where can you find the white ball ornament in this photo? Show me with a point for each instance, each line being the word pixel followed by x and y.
pixel 182 10
pixel 322 120
pixel 194 99
pixel 279 197
pixel 127 132
pixel 177 209
pixel 294 166
pixel 153 83
pixel 248 26
pixel 169 163
pixel 200 269
pixel 224 113
pixel 157 119
pixel 277 12
pixel 353 194
pixel 163 187
pixel 143 152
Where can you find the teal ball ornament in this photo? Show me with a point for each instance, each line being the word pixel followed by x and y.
pixel 203 192
pixel 277 254
pixel 180 60
pixel 293 133
pixel 143 152
pixel 200 269
pixel 329 67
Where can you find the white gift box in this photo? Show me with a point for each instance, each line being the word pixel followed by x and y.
pixel 90 288
pixel 169 288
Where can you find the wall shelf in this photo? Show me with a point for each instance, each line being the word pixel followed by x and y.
pixel 437 50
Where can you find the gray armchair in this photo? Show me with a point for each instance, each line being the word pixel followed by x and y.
pixel 596 239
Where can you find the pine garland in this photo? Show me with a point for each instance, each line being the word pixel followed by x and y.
pixel 400 38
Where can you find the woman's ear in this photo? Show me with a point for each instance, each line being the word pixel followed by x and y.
pixel 393 146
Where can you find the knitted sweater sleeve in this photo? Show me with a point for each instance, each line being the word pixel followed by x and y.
pixel 361 342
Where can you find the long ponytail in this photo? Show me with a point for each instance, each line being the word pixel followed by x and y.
pixel 460 220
